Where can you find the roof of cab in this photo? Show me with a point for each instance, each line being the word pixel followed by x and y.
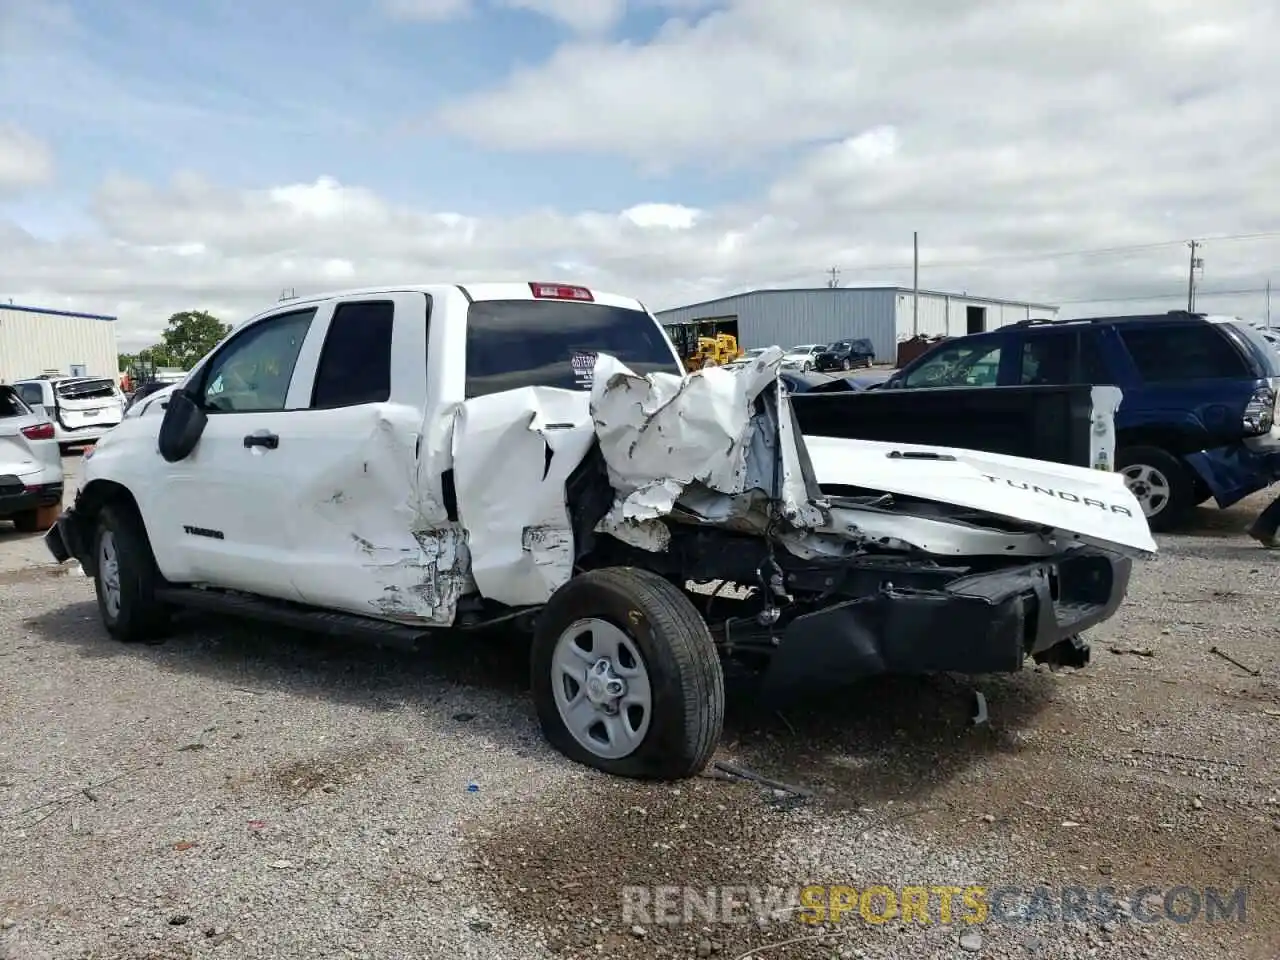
pixel 500 290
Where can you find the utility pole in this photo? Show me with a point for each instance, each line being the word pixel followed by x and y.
pixel 915 283
pixel 1268 304
pixel 1196 263
pixel 834 281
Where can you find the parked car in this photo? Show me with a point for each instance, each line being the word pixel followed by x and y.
pixel 802 357
pixel 82 409
pixel 30 465
pixel 527 459
pixel 1198 417
pixel 845 355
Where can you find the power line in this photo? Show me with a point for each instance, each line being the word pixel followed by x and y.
pixel 1065 254
pixel 1164 295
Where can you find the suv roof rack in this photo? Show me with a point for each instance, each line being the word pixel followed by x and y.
pixel 1127 318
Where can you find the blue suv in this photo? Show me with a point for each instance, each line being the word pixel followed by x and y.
pixel 1198 419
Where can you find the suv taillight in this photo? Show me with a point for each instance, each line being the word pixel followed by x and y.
pixel 41 431
pixel 1259 412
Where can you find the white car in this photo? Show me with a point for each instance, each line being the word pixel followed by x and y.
pixel 82 409
pixel 801 357
pixel 398 461
pixel 30 465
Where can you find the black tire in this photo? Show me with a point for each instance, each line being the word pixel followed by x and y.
pixel 1181 499
pixel 685 676
pixel 140 617
pixel 806 368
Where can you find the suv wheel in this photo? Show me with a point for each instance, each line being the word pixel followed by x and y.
pixel 626 677
pixel 845 364
pixel 1163 486
pixel 126 578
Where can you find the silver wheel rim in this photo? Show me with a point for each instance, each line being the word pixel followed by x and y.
pixel 601 688
pixel 109 573
pixel 1149 486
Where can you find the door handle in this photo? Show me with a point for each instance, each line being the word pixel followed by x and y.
pixel 268 440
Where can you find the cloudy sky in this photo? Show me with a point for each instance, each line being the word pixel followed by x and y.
pixel 158 156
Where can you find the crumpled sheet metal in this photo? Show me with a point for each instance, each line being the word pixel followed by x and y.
pixel 512 454
pixel 662 434
pixel 408 562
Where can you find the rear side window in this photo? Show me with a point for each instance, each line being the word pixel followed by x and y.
pixel 355 363
pixel 32 393
pixel 545 343
pixel 11 404
pixel 1191 351
pixel 1047 358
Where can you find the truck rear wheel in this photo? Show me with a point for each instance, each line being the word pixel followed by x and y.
pixel 1164 487
pixel 626 677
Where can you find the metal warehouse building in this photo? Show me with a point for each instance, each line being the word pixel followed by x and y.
pixel 34 341
pixel 765 318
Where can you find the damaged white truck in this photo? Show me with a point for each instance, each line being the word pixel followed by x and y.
pixel 403 460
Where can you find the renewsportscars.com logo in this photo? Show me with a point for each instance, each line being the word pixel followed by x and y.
pixel 968 904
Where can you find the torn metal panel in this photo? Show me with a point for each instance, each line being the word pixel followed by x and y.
pixel 367 541
pixel 512 454
pixel 661 433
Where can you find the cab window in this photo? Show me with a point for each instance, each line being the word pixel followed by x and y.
pixel 251 374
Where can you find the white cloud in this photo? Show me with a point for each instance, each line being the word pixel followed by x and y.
pixel 25 160
pixel 591 17
pixel 1011 135
pixel 585 16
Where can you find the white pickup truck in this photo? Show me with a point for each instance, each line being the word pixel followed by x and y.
pixel 402 460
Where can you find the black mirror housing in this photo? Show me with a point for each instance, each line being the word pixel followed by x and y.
pixel 184 421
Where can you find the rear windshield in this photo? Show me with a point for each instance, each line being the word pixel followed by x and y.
pixel 11 404
pixel 544 343
pixel 96 389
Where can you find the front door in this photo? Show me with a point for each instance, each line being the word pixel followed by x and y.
pixel 227 506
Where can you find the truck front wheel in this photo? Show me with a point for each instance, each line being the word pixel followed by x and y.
pixel 126 578
pixel 626 677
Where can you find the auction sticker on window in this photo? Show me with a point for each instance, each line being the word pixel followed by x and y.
pixel 584 365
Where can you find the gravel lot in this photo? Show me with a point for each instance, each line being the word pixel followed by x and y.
pixel 245 792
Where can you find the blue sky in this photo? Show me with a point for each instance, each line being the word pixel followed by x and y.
pixel 286 92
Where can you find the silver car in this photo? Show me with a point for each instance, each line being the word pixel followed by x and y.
pixel 30 465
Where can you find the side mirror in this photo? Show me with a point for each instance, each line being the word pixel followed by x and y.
pixel 184 421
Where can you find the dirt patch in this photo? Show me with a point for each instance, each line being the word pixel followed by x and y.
pixel 560 873
pixel 294 779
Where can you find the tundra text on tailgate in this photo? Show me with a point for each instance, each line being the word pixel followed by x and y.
pixel 394 461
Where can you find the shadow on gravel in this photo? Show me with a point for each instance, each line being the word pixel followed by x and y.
pixel 888 738
pixel 259 659
pixel 880 739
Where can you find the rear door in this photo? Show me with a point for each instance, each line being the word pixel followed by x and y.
pixel 350 451
pixel 1193 376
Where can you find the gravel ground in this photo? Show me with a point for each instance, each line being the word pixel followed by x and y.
pixel 245 792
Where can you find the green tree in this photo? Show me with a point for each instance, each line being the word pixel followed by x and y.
pixel 188 336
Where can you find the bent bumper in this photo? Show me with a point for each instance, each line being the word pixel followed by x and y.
pixel 65 541
pixel 1235 471
pixel 17 495
pixel 984 623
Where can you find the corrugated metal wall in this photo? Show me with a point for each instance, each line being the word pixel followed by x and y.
pixel 944 315
pixel 788 317
pixel 32 342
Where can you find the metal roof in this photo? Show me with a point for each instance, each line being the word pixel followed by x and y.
pixel 56 313
pixel 860 289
